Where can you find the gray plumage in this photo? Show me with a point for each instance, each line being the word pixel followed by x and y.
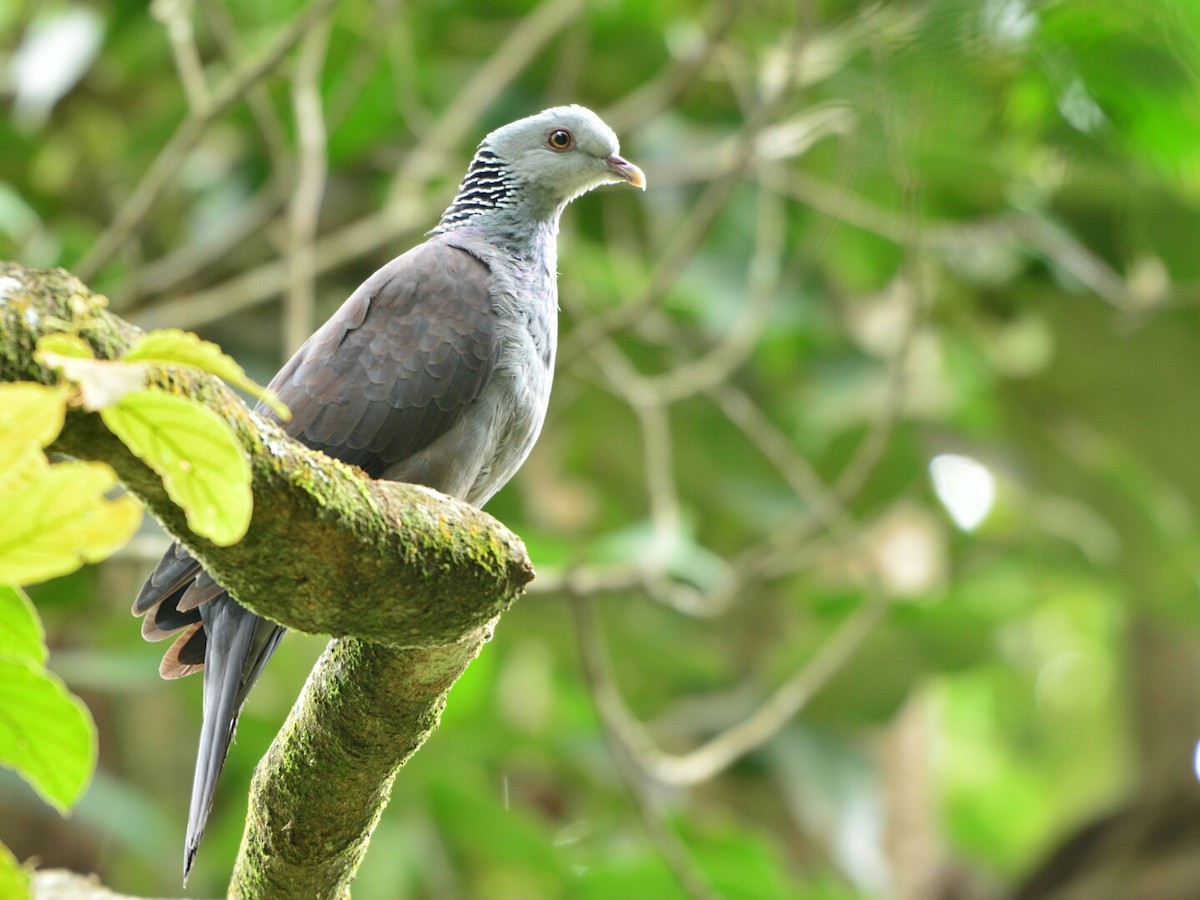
pixel 436 371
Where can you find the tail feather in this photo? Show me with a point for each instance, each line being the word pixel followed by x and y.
pixel 214 633
pixel 238 645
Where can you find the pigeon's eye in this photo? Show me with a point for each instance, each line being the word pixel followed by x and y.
pixel 560 139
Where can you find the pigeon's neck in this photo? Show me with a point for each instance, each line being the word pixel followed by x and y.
pixel 490 200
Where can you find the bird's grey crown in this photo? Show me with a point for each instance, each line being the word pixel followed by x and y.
pixel 487 185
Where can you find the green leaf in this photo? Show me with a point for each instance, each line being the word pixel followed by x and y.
pixel 31 413
pixel 31 416
pixel 21 634
pixel 204 468
pixel 14 880
pixel 172 347
pixel 46 734
pixel 59 519
pixel 62 344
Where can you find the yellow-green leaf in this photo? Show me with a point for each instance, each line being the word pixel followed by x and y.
pixel 19 464
pixel 31 413
pixel 31 416
pixel 46 734
pixel 63 344
pixel 172 347
pixel 14 880
pixel 59 519
pixel 204 468
pixel 21 634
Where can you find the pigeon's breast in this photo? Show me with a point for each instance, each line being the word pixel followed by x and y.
pixel 512 407
pixel 485 447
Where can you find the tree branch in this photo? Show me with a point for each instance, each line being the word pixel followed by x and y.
pixel 410 580
pixel 318 792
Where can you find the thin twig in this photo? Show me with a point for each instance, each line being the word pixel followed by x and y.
pixel 785 703
pixel 400 47
pixel 305 207
pixel 371 38
pixel 722 751
pixel 697 375
pixel 821 503
pixel 1037 233
pixel 870 450
pixel 657 93
pixel 135 209
pixel 187 260
pixel 258 99
pixel 176 17
pixel 632 774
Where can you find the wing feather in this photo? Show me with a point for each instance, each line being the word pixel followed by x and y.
pixel 395 368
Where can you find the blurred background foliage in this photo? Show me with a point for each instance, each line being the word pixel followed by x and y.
pixel 865 515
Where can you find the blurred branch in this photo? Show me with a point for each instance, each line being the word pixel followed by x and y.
pixel 187 260
pixel 268 279
pixel 655 95
pixel 720 752
pixel 305 207
pixel 826 504
pixel 822 505
pixel 397 44
pixel 135 209
pixel 258 99
pixel 176 16
pixel 1037 233
pixel 762 282
pixel 853 477
pixel 632 773
pixel 913 812
pixel 385 23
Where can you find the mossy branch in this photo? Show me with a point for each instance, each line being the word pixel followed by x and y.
pixel 409 580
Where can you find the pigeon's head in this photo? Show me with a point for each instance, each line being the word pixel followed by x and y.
pixel 524 173
pixel 560 153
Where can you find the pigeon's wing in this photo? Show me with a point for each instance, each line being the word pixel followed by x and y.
pixel 385 377
pixel 398 364
pixel 392 370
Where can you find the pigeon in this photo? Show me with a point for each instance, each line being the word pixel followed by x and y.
pixel 436 371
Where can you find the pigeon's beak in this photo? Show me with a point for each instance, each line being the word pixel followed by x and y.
pixel 626 171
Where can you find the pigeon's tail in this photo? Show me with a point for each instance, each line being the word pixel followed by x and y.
pixel 238 645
